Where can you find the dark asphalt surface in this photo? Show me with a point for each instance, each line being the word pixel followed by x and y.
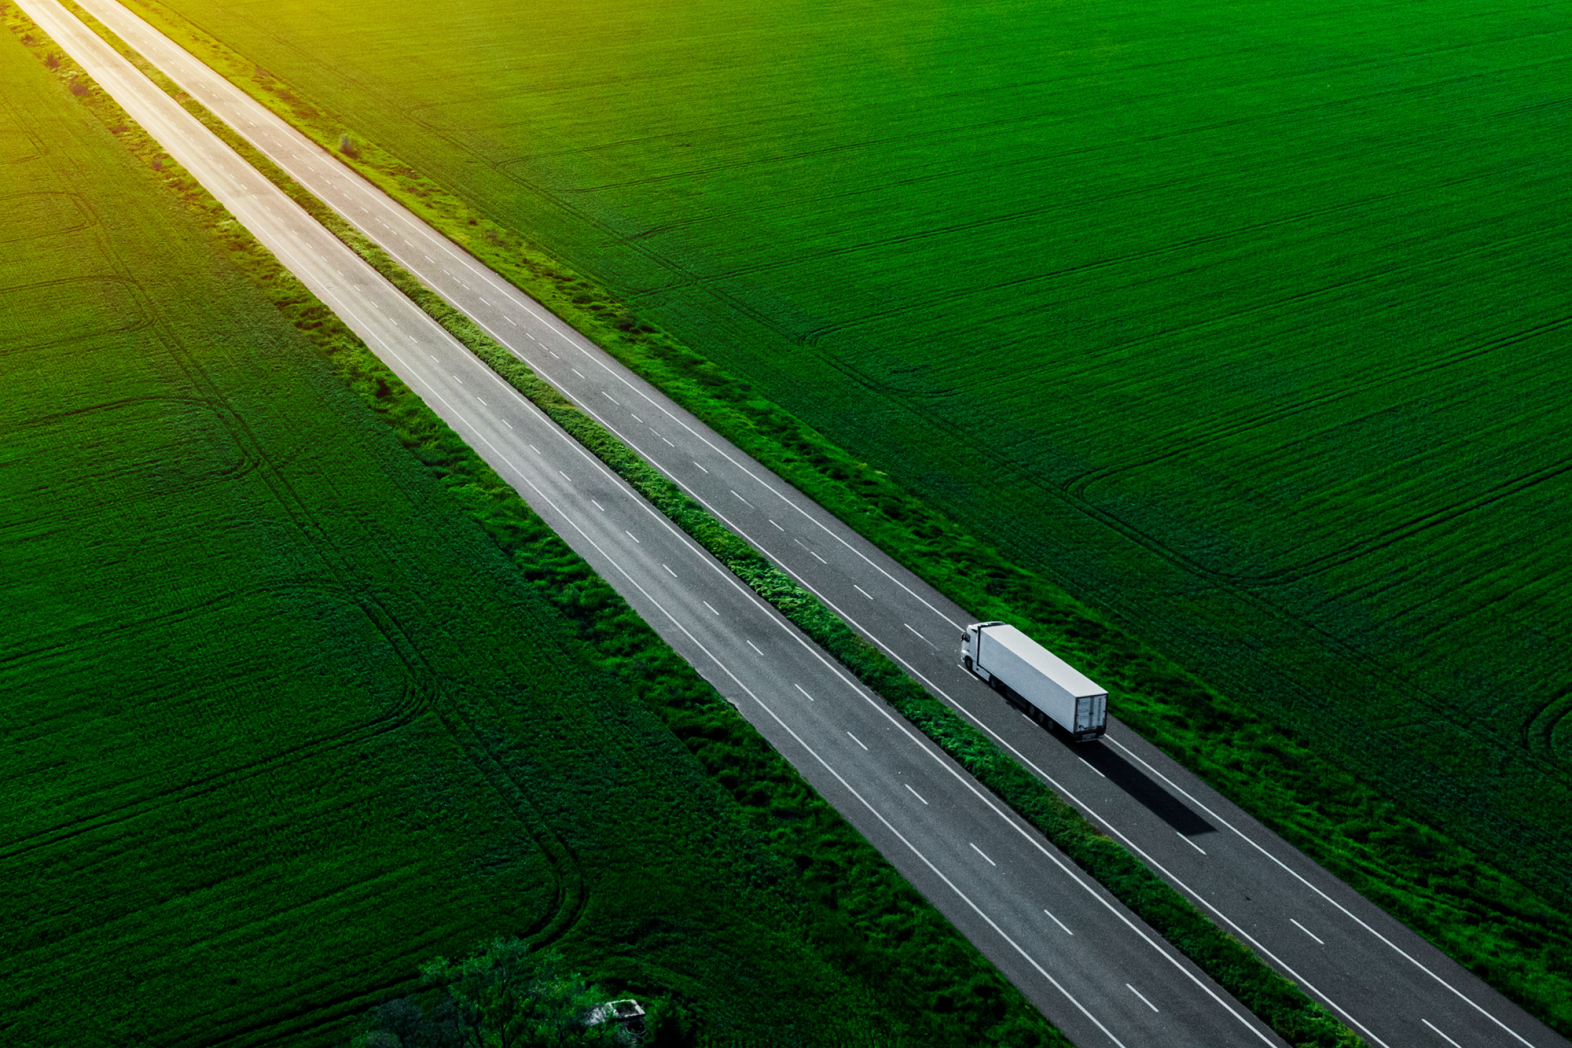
pixel 1074 951
pixel 1092 968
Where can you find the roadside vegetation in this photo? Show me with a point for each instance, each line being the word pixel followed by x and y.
pixel 1277 1001
pixel 300 694
pixel 1271 723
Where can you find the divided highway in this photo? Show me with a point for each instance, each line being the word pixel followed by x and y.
pixel 1091 967
pixel 1100 974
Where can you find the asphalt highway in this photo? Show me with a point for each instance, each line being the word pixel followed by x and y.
pixel 1098 972
pixel 1091 967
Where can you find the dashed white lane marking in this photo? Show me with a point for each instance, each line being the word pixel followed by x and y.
pixel 1307 931
pixel 673 574
pixel 635 538
pixel 858 741
pixel 864 592
pixel 701 467
pixel 482 402
pixel 455 378
pixel 669 444
pixel 1441 1035
pixel 1060 923
pixel 534 449
pixel 483 299
pixel 637 419
pixel 979 851
pixel 1144 1001
pixel 564 476
pixel 777 526
pixel 707 604
pixel 916 794
pixel 981 913
pixel 609 397
pixel 1191 843
pixel 1346 911
pixel 755 647
pixel 744 501
pixel 919 636
pixel 599 506
pixel 510 320
pixel 506 423
pixel 575 370
pixel 1088 763
pixel 800 688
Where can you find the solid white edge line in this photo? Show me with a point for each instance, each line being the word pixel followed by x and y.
pixel 425 231
pixel 821 761
pixel 1302 880
pixel 660 520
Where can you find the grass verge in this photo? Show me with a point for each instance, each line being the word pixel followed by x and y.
pixel 930 986
pixel 1494 925
pixel 1269 995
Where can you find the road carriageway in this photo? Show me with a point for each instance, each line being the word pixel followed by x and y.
pixel 1077 953
pixel 1381 978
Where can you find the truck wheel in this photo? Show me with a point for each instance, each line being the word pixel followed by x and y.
pixel 967 661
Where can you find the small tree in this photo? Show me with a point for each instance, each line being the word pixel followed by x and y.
pixel 501 996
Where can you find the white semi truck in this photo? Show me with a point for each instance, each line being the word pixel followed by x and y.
pixel 1035 680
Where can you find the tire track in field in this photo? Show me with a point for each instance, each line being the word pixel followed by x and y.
pixel 8 201
pixel 570 893
pixel 1046 161
pixel 1541 727
pixel 140 315
pixel 414 697
pixel 1186 246
pixel 1296 572
pixel 418 694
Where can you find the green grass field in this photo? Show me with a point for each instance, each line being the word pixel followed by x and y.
pixel 282 720
pixel 1247 323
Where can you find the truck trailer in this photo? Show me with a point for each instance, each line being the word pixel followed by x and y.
pixel 1036 681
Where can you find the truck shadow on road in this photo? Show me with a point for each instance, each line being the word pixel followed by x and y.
pixel 1141 788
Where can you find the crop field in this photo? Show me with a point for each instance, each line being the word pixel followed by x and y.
pixel 1248 323
pixel 279 723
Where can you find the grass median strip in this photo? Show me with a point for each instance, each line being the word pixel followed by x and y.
pixel 1506 932
pixel 1273 998
pixel 1270 996
pixel 907 975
